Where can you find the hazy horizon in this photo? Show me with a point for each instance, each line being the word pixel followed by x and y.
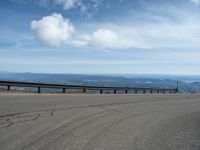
pixel 134 74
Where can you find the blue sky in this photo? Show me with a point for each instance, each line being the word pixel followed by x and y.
pixel 100 36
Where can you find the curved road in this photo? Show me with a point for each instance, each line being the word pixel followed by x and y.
pixel 99 122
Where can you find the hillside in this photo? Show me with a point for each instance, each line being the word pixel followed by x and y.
pixel 187 84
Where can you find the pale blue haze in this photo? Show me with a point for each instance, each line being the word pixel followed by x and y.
pixel 154 37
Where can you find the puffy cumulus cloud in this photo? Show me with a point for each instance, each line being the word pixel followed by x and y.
pixel 104 38
pixel 53 30
pixel 196 2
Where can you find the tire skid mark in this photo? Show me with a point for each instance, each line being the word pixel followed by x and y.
pixel 8 123
pixel 85 123
pixel 55 133
pixel 69 134
pixel 172 129
pixel 20 117
pixel 36 131
pixel 95 138
pixel 51 112
pixel 28 113
pixel 72 107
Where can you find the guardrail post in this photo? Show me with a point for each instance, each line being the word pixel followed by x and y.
pixel 177 88
pixel 39 90
pixel 63 90
pixel 126 91
pixel 115 91
pixel 136 91
pixel 163 91
pixel 101 91
pixel 8 87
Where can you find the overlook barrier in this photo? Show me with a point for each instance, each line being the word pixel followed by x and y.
pixel 84 89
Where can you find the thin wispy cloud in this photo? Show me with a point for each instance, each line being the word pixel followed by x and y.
pixel 196 2
pixel 84 6
pixel 67 4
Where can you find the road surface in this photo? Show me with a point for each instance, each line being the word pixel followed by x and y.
pixel 99 122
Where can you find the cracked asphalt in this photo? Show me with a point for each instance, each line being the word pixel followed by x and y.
pixel 99 122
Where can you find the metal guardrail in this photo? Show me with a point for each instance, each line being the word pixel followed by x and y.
pixel 136 90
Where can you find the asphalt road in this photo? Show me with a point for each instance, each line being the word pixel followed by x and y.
pixel 99 122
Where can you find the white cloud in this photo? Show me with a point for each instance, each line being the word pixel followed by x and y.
pixel 182 30
pixel 53 30
pixel 83 5
pixel 196 2
pixel 101 38
pixel 66 4
pixel 104 38
pixel 160 35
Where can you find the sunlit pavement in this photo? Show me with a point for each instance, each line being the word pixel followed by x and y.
pixel 99 122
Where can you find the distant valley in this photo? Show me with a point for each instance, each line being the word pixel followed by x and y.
pixel 187 84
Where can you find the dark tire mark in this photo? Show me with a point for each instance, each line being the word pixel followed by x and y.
pixel 7 123
pixel 58 132
pixel 101 133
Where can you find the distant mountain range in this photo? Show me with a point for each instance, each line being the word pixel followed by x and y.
pixel 187 84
